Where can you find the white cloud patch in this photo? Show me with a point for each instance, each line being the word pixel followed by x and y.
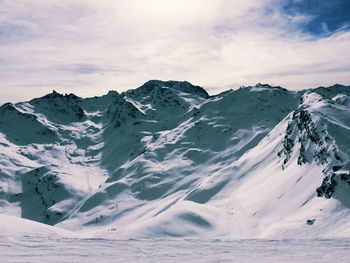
pixel 89 47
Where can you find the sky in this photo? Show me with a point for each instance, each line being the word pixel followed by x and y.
pixel 89 47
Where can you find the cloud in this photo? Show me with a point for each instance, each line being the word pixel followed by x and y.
pixel 89 47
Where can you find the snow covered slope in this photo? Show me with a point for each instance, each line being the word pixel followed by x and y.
pixel 167 159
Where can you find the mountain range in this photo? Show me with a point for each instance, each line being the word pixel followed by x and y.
pixel 169 160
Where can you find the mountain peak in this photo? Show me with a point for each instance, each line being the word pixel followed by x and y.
pixel 59 108
pixel 183 86
pixel 267 86
pixel 333 90
pixel 7 106
pixel 112 93
pixel 55 95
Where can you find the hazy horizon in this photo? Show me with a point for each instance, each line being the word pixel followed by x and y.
pixel 211 92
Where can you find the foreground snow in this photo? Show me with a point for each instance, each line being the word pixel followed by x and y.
pixel 37 249
pixel 22 240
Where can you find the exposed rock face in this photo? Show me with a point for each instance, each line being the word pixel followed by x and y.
pixel 307 131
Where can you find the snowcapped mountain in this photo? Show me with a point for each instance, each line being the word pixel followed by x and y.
pixel 167 159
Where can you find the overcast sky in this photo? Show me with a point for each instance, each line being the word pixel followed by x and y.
pixel 88 47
